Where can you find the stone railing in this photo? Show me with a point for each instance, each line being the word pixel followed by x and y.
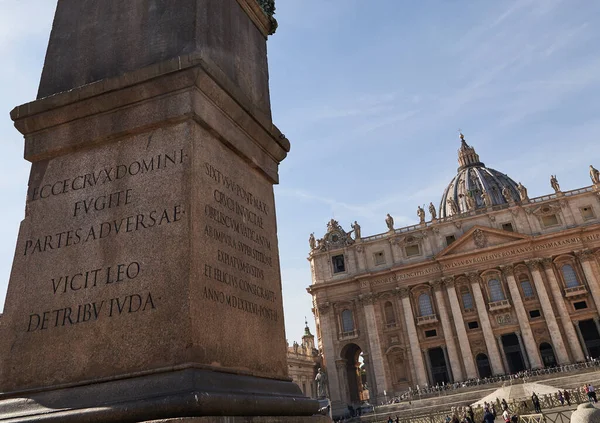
pixel 427 320
pixel 575 291
pixel 498 305
pixel 348 335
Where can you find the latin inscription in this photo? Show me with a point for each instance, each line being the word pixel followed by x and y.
pixel 92 206
pixel 235 220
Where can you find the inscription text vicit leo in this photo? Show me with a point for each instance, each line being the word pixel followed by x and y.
pixel 94 198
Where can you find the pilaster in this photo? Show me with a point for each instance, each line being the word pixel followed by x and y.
pixel 530 346
pixel 454 363
pixel 413 338
pixel 555 335
pixel 573 340
pixel 459 324
pixel 374 344
pixel 328 335
pixel 490 342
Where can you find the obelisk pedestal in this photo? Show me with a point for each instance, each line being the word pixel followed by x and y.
pixel 146 281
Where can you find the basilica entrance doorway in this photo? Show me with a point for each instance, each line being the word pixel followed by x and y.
pixel 512 351
pixel 351 353
pixel 439 367
pixel 547 354
pixel 589 333
pixel 483 366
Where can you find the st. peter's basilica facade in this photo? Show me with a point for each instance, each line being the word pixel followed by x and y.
pixel 493 283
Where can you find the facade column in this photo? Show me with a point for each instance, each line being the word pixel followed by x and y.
pixel 523 350
pixel 428 366
pixel 597 322
pixel 450 374
pixel 344 389
pixel 374 345
pixel 588 264
pixel 557 341
pixel 502 353
pixel 413 338
pixel 557 292
pixel 328 336
pixel 488 335
pixel 580 336
pixel 531 349
pixel 454 363
pixel 461 331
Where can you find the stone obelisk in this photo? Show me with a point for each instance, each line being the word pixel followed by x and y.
pixel 146 281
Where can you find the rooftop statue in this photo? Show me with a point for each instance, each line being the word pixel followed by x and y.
pixel 554 183
pixel 470 202
pixel 453 205
pixel 356 228
pixel 389 221
pixel 312 242
pixel 595 175
pixel 432 211
pixel 487 200
pixel 522 192
pixel 421 214
pixel 507 194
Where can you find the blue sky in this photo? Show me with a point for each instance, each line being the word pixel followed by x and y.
pixel 371 96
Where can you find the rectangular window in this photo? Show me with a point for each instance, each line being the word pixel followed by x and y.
pixel 507 227
pixel 473 325
pixel 587 212
pixel 338 264
pixel 412 250
pixel 379 258
pixel 549 221
pixel 430 333
pixel 534 314
pixel 580 305
pixel 450 239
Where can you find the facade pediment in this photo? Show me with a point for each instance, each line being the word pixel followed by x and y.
pixel 480 237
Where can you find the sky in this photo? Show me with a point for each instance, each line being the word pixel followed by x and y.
pixel 372 96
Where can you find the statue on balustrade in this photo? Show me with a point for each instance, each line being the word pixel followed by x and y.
pixel 356 228
pixel 595 175
pixel 432 211
pixel 312 241
pixel 470 200
pixel 487 200
pixel 389 221
pixel 554 183
pixel 522 192
pixel 453 205
pixel 421 214
pixel 507 194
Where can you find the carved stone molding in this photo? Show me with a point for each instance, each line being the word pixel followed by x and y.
pixel 449 281
pixel 474 277
pixel 435 284
pixel 368 298
pixel 508 270
pixel 323 308
pixel 360 249
pixel 458 224
pixel 563 203
pixel 547 262
pixel 480 238
pixel 534 264
pixel 403 292
pixel 492 218
pixel 584 255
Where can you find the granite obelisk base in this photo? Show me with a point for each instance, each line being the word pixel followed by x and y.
pixel 146 282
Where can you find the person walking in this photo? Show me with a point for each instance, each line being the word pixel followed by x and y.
pixel 536 403
pixel 592 392
pixel 488 417
pixel 567 397
pixel 560 398
pixel 471 414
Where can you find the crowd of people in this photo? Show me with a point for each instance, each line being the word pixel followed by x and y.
pixel 418 391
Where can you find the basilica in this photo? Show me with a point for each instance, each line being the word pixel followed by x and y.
pixel 492 283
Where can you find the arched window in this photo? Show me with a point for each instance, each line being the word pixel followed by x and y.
pixel 425 307
pixel 496 293
pixel 569 275
pixel 388 309
pixel 467 298
pixel 526 286
pixel 347 321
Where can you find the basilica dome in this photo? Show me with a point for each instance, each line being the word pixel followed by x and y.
pixel 475 186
